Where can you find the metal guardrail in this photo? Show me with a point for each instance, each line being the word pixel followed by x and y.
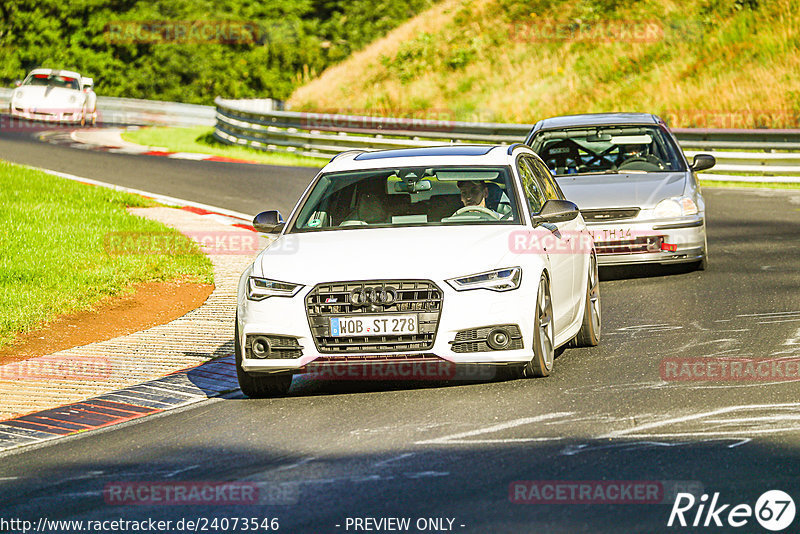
pixel 746 155
pixel 742 155
pixel 132 111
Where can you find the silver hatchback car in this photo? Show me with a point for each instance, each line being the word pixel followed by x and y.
pixel 635 189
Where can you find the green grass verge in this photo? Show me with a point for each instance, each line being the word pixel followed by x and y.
pixel 199 139
pixel 53 258
pixel 760 185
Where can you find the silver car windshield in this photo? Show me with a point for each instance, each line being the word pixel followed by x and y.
pixel 409 196
pixel 607 149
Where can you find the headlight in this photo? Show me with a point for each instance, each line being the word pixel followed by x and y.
pixel 261 288
pixel 15 95
pixel 499 280
pixel 675 207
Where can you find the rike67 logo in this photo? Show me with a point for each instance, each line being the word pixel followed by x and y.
pixel 774 510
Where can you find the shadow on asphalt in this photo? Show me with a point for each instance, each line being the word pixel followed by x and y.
pixel 470 482
pixel 621 272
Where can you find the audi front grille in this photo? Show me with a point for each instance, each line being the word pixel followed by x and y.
pixel 422 298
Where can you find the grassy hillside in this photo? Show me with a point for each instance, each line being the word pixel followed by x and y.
pixel 707 63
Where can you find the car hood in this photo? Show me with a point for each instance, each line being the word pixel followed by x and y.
pixel 364 254
pixel 50 96
pixel 590 191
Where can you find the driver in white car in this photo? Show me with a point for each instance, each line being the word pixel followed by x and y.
pixel 473 192
pixel 477 193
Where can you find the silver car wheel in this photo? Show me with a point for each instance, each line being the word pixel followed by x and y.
pixel 544 310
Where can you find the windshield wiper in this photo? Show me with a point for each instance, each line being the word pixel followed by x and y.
pixel 609 171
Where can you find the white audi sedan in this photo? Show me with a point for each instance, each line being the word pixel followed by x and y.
pixel 429 257
pixel 51 95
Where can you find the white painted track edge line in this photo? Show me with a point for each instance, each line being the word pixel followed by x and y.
pixel 164 199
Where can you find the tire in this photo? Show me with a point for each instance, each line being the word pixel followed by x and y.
pixel 543 334
pixel 589 334
pixel 259 387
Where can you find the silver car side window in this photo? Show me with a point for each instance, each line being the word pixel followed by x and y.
pixel 533 190
pixel 551 190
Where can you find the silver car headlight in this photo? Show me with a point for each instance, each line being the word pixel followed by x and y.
pixel 675 207
pixel 499 280
pixel 262 288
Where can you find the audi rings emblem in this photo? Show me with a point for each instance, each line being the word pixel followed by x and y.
pixel 373 296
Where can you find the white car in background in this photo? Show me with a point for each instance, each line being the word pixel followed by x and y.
pixel 452 255
pixel 55 96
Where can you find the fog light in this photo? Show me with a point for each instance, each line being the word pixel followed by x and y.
pixel 498 339
pixel 261 347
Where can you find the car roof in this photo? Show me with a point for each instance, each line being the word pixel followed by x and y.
pixel 459 154
pixel 69 73
pixel 596 119
pixel 593 119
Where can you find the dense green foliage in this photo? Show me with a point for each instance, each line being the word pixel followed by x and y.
pixel 284 43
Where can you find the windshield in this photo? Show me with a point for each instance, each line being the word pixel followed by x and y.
pixel 607 149
pixel 53 80
pixel 409 196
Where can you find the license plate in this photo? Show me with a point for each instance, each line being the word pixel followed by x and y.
pixel 374 325
pixel 612 234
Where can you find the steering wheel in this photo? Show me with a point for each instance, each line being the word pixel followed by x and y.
pixel 478 209
pixel 642 159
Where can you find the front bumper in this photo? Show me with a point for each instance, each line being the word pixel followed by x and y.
pixel 46 115
pixel 460 310
pixel 661 241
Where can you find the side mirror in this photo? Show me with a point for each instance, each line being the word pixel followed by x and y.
pixel 555 211
pixel 269 222
pixel 702 162
pixel 17 83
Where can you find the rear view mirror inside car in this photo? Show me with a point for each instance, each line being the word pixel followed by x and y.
pixel 598 137
pixel 412 187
